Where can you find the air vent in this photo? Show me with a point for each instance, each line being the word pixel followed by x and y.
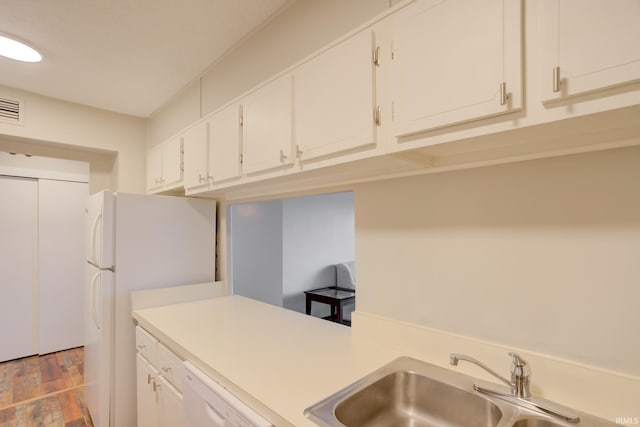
pixel 10 110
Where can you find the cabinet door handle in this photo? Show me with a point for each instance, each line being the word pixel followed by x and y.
pixel 503 93
pixel 166 369
pixel 376 115
pixel 156 386
pixel 556 79
pixel 376 56
pixel 150 378
pixel 299 152
pixel 283 157
pixel 140 347
pixel 201 178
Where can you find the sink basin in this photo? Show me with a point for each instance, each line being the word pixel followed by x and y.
pixel 412 393
pixel 536 422
pixel 406 398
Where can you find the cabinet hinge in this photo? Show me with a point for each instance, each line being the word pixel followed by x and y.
pixel 376 56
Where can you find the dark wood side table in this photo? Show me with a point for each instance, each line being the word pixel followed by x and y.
pixel 335 296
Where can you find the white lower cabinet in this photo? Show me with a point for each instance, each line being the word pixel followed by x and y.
pixel 169 404
pixel 147 377
pixel 159 387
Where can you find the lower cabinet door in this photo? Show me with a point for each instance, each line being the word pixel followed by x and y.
pixel 147 376
pixel 170 400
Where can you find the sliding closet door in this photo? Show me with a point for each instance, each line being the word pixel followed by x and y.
pixel 62 263
pixel 18 258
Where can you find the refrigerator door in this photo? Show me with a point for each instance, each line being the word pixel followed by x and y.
pixel 98 345
pixel 161 241
pixel 100 229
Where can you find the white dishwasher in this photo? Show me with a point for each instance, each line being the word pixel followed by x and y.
pixel 208 404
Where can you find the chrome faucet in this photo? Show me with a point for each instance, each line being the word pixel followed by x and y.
pixel 519 386
pixel 520 373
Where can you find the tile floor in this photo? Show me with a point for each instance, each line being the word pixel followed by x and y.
pixel 44 391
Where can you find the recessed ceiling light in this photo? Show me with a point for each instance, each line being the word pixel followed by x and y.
pixel 19 51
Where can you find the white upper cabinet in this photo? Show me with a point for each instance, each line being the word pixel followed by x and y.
pixel 154 167
pixel 334 99
pixel 172 162
pixel 225 132
pixel 195 156
pixel 455 61
pixel 267 134
pixel 588 45
pixel 164 165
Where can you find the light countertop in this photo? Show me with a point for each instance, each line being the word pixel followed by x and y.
pixel 276 360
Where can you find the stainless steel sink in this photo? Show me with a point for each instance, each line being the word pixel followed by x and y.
pixel 406 398
pixel 535 422
pixel 409 392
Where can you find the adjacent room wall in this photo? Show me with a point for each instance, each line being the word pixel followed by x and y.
pixel 298 31
pixel 256 251
pixel 71 130
pixel 318 232
pixel 541 255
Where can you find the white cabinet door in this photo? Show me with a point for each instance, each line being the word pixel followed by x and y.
pixel 225 133
pixel 154 167
pixel 147 396
pixel 588 45
pixel 61 261
pixel 195 155
pixel 455 61
pixel 334 99
pixel 170 405
pixel 172 162
pixel 267 134
pixel 18 255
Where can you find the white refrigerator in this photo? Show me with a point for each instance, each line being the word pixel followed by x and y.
pixel 134 242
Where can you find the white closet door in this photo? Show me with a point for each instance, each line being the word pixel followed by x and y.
pixel 61 263
pixel 18 252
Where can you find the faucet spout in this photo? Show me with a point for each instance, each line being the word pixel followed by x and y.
pixel 454 358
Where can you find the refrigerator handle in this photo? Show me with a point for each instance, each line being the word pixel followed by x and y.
pixel 93 298
pixel 94 228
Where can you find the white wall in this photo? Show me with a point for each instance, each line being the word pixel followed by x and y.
pixel 256 250
pixel 541 255
pixel 78 132
pixel 298 31
pixel 318 232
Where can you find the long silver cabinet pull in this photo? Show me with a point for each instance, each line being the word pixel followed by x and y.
pixel 156 386
pixel 503 93
pixel 376 56
pixel 556 79
pixel 201 178
pixel 149 378
pixel 376 115
pixel 283 157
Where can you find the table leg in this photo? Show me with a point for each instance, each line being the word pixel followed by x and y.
pixel 308 304
pixel 339 313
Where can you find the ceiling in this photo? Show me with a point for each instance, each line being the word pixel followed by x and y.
pixel 128 56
